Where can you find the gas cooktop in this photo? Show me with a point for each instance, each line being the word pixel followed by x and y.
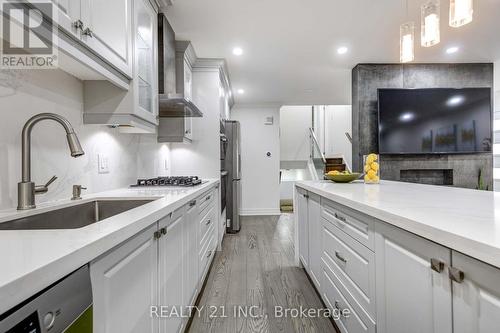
pixel 169 181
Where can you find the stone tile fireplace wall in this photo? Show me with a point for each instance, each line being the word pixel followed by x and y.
pixel 463 169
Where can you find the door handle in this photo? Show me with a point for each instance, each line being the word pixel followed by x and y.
pixel 88 32
pixel 340 257
pixel 456 275
pixel 437 265
pixel 340 217
pixel 192 203
pixel 78 24
pixel 208 222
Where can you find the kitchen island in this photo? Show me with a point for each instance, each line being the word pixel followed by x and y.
pixel 402 257
pixel 165 245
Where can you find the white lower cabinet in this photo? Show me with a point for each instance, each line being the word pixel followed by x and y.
pixel 390 280
pixel 476 298
pixel 411 295
pixel 171 283
pixel 158 272
pixel 124 281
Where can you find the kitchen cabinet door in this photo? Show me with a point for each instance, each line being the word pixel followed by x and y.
pixel 107 31
pixel 68 14
pixel 303 227
pixel 412 297
pixel 315 238
pixel 171 284
pixel 476 299
pixel 190 254
pixel 146 59
pixel 124 286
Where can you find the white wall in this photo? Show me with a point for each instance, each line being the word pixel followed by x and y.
pixel 338 120
pixel 26 93
pixel 260 173
pixel 295 122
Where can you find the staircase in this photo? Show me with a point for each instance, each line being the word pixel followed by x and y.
pixel 336 164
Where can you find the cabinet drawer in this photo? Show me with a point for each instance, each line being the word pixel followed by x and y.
pixel 206 256
pixel 353 264
pixel 349 221
pixel 357 321
pixel 205 225
pixel 205 200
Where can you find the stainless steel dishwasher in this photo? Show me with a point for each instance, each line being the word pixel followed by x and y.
pixel 65 306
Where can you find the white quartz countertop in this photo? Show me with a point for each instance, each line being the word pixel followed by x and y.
pixel 464 220
pixel 31 260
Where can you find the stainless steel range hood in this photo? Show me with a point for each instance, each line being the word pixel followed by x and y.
pixel 175 59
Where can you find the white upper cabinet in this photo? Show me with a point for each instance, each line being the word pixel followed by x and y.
pixel 476 297
pixel 68 16
pixel 413 288
pixel 107 30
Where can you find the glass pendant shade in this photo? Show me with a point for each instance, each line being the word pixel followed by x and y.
pixel 407 42
pixel 430 34
pixel 460 12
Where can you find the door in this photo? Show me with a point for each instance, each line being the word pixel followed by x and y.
pixel 476 299
pixel 236 204
pixel 303 226
pixel 145 57
pixel 411 296
pixel 315 238
pixel 124 286
pixel 107 31
pixel 171 284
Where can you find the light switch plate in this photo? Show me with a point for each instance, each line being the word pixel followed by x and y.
pixel 102 163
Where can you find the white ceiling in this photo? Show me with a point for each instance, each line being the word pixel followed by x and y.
pixel 290 45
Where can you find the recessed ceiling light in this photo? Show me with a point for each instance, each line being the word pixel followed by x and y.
pixel 241 91
pixel 451 50
pixel 342 50
pixel 238 51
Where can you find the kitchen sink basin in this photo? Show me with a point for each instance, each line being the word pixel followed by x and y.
pixel 73 217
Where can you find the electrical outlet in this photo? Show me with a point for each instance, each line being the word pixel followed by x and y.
pixel 102 163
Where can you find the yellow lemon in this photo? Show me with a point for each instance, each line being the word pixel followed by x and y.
pixel 333 172
pixel 376 179
pixel 369 159
pixel 367 179
pixel 373 156
pixel 367 167
pixel 374 166
pixel 371 173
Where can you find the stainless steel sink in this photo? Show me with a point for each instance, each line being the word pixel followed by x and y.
pixel 75 216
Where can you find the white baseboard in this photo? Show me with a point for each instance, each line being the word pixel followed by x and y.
pixel 260 211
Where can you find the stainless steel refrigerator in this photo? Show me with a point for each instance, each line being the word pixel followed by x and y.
pixel 232 164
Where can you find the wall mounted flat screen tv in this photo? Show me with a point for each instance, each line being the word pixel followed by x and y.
pixel 434 121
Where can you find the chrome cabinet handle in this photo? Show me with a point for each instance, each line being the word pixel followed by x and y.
pixel 192 203
pixel 456 275
pixel 209 254
pixel 337 307
pixel 339 217
pixel 78 24
pixel 157 234
pixel 208 222
pixel 437 265
pixel 163 231
pixel 88 32
pixel 340 257
pixel 208 198
pixel 305 196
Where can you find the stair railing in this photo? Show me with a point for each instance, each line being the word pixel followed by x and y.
pixel 316 155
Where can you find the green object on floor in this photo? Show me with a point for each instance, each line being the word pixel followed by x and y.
pixel 83 324
pixel 286 205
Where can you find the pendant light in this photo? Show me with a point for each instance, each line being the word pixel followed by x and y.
pixel 407 42
pixel 407 39
pixel 460 12
pixel 430 34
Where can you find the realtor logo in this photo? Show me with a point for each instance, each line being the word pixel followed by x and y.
pixel 27 35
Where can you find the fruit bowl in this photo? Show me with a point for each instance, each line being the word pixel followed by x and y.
pixel 343 177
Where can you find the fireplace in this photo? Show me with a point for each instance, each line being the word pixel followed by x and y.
pixel 427 176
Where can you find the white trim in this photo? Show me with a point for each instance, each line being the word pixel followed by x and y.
pixel 260 211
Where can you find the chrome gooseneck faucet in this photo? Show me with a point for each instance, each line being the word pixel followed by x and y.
pixel 26 189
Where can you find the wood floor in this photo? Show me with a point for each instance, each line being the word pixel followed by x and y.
pixel 255 273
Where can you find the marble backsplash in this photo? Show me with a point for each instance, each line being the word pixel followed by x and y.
pixel 26 93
